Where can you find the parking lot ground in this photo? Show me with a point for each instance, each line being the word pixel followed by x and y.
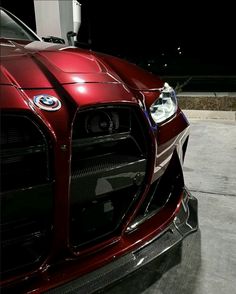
pixel 206 260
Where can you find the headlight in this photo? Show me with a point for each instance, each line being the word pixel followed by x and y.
pixel 165 106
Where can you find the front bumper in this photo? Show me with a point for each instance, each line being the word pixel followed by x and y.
pixel 185 222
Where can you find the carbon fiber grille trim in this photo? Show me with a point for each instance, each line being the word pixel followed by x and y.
pixel 108 163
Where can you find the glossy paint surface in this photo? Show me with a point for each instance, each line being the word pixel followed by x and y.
pixel 82 79
pixel 69 66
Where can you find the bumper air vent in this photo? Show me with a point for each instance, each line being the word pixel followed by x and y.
pixel 164 192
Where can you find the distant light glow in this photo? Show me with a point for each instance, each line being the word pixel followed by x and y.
pixel 178 48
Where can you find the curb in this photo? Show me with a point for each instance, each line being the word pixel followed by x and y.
pixel 210 114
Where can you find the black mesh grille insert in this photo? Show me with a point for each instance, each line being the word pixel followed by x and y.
pixel 23 153
pixel 26 194
pixel 109 160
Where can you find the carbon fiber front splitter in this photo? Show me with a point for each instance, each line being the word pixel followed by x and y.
pixel 185 222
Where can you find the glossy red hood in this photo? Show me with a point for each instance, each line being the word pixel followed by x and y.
pixel 40 65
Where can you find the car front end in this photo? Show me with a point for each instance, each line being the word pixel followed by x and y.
pixel 92 185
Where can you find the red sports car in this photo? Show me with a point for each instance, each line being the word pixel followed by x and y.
pixel 92 149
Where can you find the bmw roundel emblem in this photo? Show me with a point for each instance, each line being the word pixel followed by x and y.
pixel 47 102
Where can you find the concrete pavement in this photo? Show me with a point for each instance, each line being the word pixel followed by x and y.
pixel 208 263
pixel 210 164
pixel 210 114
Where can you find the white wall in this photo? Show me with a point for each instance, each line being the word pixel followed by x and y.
pixel 57 17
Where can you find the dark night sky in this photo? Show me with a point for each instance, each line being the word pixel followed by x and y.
pixel 205 34
pixel 146 31
pixel 164 22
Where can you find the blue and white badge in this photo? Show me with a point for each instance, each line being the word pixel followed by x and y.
pixel 47 102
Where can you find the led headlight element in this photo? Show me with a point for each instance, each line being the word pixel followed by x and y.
pixel 165 106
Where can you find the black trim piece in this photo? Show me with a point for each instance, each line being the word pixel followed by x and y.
pixel 100 139
pixel 23 151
